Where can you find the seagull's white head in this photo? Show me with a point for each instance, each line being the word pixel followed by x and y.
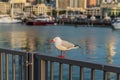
pixel 56 39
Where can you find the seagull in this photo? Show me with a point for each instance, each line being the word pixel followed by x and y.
pixel 63 46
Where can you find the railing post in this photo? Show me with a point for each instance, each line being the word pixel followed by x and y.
pixel 51 70
pixel 26 66
pixel 6 67
pixel 36 68
pixel 20 67
pixel 70 72
pixel 30 64
pixel 41 70
pixel 60 71
pixel 81 73
pixel 118 76
pixel 105 75
pixel 1 67
pixel 92 74
pixel 13 68
pixel 29 70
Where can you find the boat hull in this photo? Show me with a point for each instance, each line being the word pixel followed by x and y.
pixel 3 21
pixel 116 26
pixel 39 23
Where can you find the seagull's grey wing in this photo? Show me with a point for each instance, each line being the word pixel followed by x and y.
pixel 67 44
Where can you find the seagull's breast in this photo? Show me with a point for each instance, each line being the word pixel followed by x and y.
pixel 60 47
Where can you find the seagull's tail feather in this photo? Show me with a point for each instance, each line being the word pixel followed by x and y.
pixel 77 46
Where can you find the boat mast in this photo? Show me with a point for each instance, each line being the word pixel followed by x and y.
pixel 11 3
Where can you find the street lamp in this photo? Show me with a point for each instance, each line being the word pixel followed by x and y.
pixel 67 9
pixel 57 8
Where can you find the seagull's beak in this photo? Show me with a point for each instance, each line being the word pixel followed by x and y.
pixel 52 41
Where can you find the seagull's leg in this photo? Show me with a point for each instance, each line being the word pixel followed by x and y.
pixel 64 53
pixel 61 53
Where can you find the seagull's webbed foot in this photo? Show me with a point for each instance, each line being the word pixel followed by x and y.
pixel 61 55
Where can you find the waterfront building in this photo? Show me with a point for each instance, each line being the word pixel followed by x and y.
pixel 4 0
pixel 91 3
pixel 77 4
pixel 40 9
pixel 17 5
pixel 40 1
pixel 62 4
pixel 30 0
pixel 93 11
pixel 36 9
pixel 109 1
pixel 82 5
pixel 17 1
pixel 4 7
pixel 93 8
pixel 72 5
pixel 98 3
pixel 109 7
pixel 112 9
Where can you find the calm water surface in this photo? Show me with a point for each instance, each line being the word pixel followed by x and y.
pixel 97 44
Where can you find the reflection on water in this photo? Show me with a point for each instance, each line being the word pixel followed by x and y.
pixel 90 45
pixel 111 45
pixel 27 42
pixel 94 42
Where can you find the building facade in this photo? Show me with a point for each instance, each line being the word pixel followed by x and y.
pixel 40 9
pixel 109 1
pixel 82 5
pixel 63 4
pixel 4 7
pixel 91 3
pixel 98 3
pixel 36 9
pixel 111 9
pixel 4 0
pixel 93 11
pixel 73 5
pixel 17 5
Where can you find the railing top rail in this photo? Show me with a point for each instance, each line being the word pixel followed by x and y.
pixel 12 52
pixel 87 64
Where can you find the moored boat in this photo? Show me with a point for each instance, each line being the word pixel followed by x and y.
pixel 42 20
pixel 92 18
pixel 33 22
pixel 116 24
pixel 8 19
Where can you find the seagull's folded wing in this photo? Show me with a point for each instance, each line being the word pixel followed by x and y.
pixel 67 44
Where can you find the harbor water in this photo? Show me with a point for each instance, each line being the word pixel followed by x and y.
pixel 98 44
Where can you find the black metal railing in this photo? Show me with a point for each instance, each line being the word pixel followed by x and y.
pixel 17 65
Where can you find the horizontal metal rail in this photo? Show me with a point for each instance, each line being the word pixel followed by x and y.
pixel 87 64
pixel 18 65
pixel 82 64
pixel 13 65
